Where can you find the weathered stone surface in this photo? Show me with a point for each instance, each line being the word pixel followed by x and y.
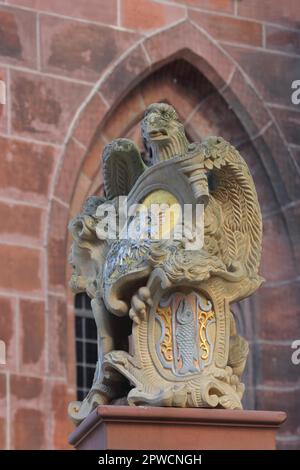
pixel 276 250
pixel 101 11
pixel 29 429
pixel 264 69
pixel 283 172
pixel 81 50
pixel 289 122
pixel 295 151
pixel 3 412
pixel 274 364
pixel 282 39
pixel 291 216
pixel 214 117
pixel 177 83
pixel 71 355
pixel 88 123
pixel 20 261
pixel 57 334
pixel 32 325
pixel 145 15
pixel 196 47
pixel 84 185
pixel 21 222
pixel 18 37
pixel 73 158
pixel 125 75
pixel 217 5
pixel 91 165
pixel 43 108
pixel 286 400
pixel 3 445
pixel 26 388
pixel 60 396
pixel 228 28
pixel 30 182
pixel 8 332
pixel 274 12
pixel 2 386
pixel 252 157
pixel 129 111
pixel 3 108
pixel 246 103
pixel 265 192
pixel 57 247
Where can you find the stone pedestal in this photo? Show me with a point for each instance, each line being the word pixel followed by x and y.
pixel 149 428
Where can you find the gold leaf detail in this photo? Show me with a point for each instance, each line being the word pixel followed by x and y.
pixel 203 318
pixel 166 345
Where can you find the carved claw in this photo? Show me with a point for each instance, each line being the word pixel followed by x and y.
pixel 139 303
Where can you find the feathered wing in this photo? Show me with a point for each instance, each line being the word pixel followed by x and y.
pixel 122 165
pixel 233 197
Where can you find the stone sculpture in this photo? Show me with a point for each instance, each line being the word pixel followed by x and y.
pixel 172 299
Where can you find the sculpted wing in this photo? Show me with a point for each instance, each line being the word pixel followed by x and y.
pixel 122 165
pixel 234 202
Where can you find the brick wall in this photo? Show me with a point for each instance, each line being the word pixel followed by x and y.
pixel 79 73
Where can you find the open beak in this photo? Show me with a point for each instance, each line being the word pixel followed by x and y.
pixel 158 134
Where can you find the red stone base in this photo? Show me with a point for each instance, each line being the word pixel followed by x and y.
pixel 149 428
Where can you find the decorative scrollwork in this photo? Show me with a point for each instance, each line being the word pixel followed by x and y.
pixel 166 346
pixel 204 318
